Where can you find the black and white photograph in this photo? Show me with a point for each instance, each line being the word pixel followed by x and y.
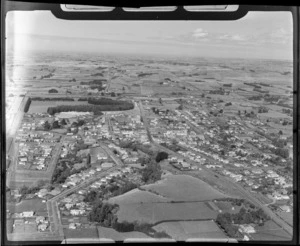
pixel 149 130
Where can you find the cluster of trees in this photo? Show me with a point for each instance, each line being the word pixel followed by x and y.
pixel 228 104
pixel 55 124
pixel 27 105
pixel 53 91
pixel 263 110
pixel 264 84
pixel 249 114
pixel 47 76
pixel 284 153
pixel 161 156
pixel 152 172
pixel 271 98
pixel 221 91
pixel 146 228
pixel 97 74
pixel 287 111
pixel 52 99
pixel 25 190
pixel 255 98
pixel 279 143
pixel 79 108
pixel 95 84
pixel 228 221
pixel 64 170
pixel 83 99
pixel 137 146
pixel 105 214
pixel 144 74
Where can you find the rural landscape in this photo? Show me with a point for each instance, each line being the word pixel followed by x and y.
pixel 108 147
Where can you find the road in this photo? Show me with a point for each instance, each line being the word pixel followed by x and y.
pixel 112 155
pixel 145 121
pixel 56 154
pixel 52 206
pixel 108 122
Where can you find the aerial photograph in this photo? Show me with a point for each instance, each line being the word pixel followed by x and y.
pixel 149 130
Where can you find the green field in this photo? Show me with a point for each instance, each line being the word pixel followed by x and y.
pixel 137 196
pixel 157 212
pixel 27 205
pixel 81 233
pixel 109 233
pixel 183 230
pixel 184 188
pixel 270 232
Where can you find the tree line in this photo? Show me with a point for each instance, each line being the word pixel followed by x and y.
pixel 52 99
pixel 108 101
pixel 27 105
pixel 79 108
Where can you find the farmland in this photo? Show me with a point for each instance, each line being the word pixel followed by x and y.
pixel 157 212
pixel 204 113
pixel 109 233
pixel 184 230
pixel 177 197
pixel 184 188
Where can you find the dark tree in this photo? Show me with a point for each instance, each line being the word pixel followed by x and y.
pixel 53 91
pixel 55 125
pixel 63 122
pixel 47 126
pixel 161 156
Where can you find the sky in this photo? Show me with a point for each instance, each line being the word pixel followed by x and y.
pixel 258 35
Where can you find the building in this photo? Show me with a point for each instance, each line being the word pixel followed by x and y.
pixel 28 213
pixel 246 229
pixel 285 208
pixel 107 164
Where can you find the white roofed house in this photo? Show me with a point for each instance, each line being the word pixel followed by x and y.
pixel 247 229
pixel 28 213
pixel 77 211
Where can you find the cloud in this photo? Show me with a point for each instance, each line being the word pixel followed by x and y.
pixel 199 33
pixel 233 37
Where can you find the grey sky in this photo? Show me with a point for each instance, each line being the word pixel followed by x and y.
pixel 258 35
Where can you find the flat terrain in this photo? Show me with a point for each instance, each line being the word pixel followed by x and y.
pixel 184 188
pixel 184 230
pixel 156 212
pixel 109 233
pixel 177 197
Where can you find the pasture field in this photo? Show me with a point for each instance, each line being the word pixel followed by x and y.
pixel 183 230
pixel 137 196
pixel 81 233
pixel 158 212
pixel 109 233
pixel 287 216
pixel 270 231
pixel 27 205
pixel 42 106
pixel 184 188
